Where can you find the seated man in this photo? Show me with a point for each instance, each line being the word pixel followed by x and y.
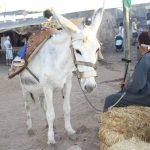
pixel 19 63
pixel 137 90
pixel 19 59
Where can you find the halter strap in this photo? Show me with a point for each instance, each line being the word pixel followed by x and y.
pixel 87 74
pixel 85 64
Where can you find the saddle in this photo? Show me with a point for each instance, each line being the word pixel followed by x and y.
pixel 35 41
pixel 37 38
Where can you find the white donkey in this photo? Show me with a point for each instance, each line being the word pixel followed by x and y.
pixel 67 50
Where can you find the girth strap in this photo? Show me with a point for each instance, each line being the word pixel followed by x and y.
pixel 87 74
pixel 35 77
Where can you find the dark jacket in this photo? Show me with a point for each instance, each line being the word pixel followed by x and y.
pixel 138 87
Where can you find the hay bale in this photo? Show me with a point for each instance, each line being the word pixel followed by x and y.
pixel 123 123
pixel 131 144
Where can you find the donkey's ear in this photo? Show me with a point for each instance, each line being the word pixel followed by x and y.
pixel 67 24
pixel 64 22
pixel 97 19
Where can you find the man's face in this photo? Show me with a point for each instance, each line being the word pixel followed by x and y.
pixel 142 50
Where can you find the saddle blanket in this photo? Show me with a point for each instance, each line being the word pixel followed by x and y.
pixel 37 38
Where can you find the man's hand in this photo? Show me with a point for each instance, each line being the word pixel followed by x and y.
pixel 122 84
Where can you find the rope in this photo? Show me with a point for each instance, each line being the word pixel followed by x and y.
pixel 117 101
pixel 114 80
pixel 96 109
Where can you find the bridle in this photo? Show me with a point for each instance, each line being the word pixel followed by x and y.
pixel 79 74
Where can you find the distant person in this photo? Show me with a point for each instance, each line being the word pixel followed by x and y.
pixel 119 38
pixel 87 21
pixel 121 30
pixel 148 19
pixel 9 51
pixel 19 59
pixel 19 63
pixel 47 14
pixel 134 31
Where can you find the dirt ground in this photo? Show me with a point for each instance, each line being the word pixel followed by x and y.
pixel 13 131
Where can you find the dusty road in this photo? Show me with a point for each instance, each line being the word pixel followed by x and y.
pixel 13 131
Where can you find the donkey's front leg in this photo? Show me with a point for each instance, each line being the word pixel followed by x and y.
pixel 67 108
pixel 26 96
pixel 43 105
pixel 50 114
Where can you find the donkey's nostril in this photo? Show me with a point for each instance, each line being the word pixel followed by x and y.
pixel 88 88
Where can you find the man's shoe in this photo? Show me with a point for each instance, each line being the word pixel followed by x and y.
pixel 18 62
pixel 14 70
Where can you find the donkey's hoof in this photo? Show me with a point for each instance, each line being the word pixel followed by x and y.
pixel 71 131
pixel 31 132
pixel 51 147
pixel 51 142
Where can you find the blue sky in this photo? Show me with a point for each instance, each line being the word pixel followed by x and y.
pixel 61 6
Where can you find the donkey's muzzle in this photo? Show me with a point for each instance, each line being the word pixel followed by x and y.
pixel 89 88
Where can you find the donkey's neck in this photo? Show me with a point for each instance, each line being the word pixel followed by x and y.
pixel 56 51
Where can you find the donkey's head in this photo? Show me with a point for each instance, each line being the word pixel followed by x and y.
pixel 84 46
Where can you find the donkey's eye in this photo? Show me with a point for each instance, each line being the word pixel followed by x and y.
pixel 77 51
pixel 97 50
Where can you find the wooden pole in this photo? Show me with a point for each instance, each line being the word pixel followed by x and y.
pixel 127 49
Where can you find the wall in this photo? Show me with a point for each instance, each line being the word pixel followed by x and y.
pixel 108 28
